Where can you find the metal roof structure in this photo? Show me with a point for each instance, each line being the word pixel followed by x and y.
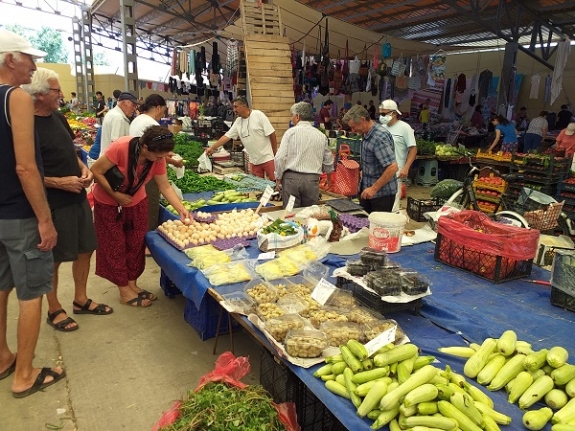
pixel 474 24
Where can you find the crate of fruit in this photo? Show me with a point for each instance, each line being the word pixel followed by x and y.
pixel 471 241
pixel 416 208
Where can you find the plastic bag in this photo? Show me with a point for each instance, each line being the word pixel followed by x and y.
pixel 204 163
pixel 230 369
pixel 177 190
pixel 179 171
pixel 476 231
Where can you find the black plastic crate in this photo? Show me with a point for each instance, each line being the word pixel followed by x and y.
pixel 417 207
pixel 562 299
pixel 496 269
pixel 373 300
pixel 278 379
pixel 168 286
pixel 205 320
pixel 313 415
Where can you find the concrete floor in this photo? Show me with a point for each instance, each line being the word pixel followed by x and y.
pixel 123 370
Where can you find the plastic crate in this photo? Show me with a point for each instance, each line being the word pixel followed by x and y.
pixel 278 379
pixel 373 300
pixel 205 320
pixel 417 207
pixel 496 269
pixel 168 286
pixel 562 299
pixel 313 415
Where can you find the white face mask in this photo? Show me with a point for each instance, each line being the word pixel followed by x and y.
pixel 384 119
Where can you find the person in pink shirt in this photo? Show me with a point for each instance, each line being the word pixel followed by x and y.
pixel 566 140
pixel 121 213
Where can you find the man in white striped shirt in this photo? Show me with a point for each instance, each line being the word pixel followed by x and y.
pixel 302 156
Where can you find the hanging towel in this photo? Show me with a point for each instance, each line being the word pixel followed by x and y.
pixel 563 50
pixel 375 59
pixel 535 82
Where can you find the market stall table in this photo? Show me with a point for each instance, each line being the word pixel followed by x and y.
pixel 461 303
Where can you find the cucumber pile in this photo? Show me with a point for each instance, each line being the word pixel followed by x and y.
pixel 399 388
pixel 528 377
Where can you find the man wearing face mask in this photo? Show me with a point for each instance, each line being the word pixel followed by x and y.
pixel 404 142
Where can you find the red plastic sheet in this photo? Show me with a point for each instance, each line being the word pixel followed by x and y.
pixel 230 369
pixel 477 231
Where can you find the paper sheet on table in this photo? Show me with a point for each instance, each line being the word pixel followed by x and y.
pixel 350 244
pixel 423 234
pixel 400 299
pixel 300 362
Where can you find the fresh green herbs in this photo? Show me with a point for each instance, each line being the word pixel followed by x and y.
pixel 191 182
pixel 218 407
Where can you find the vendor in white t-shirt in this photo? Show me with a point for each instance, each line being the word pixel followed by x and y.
pixel 257 135
pixel 403 140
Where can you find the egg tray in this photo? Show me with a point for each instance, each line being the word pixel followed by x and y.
pixel 221 242
pixel 353 223
pixel 212 218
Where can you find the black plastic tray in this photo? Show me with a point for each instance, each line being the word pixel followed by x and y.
pixel 344 205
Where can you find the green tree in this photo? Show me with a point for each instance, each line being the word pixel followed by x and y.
pixel 101 59
pixel 50 41
pixel 46 39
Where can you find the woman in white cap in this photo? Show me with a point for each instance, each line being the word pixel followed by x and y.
pixel 566 140
pixel 404 142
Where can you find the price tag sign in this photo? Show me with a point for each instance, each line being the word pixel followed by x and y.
pixel 383 339
pixel 290 203
pixel 267 256
pixel 322 291
pixel 266 196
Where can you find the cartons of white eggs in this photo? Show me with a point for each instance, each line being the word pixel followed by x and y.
pixel 233 224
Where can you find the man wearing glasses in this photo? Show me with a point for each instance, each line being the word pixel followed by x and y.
pixel 257 135
pixel 117 121
pixel 65 178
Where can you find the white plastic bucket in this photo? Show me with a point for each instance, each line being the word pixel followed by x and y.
pixel 385 231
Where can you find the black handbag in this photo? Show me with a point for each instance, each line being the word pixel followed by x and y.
pixel 115 178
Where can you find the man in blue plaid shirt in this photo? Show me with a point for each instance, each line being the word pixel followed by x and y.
pixel 378 166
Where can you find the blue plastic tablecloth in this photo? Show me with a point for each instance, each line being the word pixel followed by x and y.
pixel 461 305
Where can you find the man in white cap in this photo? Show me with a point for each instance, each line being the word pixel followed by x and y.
pixel 117 121
pixel 27 234
pixel 404 143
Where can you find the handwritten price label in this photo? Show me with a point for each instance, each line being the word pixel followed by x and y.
pixel 383 339
pixel 266 196
pixel 322 291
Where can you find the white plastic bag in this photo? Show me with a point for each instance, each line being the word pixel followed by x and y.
pixel 204 163
pixel 179 171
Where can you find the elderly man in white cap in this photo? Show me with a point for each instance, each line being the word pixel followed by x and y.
pixel 404 143
pixel 27 234
pixel 117 121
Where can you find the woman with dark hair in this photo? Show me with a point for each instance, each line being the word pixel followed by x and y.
pixel 535 133
pixel 152 111
pixel 506 130
pixel 121 216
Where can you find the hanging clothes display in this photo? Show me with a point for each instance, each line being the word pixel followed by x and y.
pixel 484 83
pixel 173 66
pixel 535 82
pixel 437 62
pixel 232 57
pixel 547 92
pixel 563 50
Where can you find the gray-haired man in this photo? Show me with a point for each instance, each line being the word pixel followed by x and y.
pixel 27 234
pixel 302 157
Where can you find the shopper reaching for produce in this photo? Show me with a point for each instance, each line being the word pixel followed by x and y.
pixel 258 137
pixel 505 130
pixel 121 216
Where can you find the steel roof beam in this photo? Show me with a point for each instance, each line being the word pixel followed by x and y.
pixel 474 15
